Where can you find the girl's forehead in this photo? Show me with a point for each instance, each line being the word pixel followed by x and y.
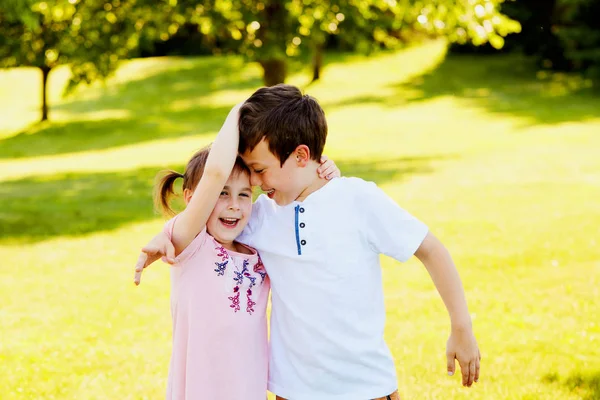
pixel 238 178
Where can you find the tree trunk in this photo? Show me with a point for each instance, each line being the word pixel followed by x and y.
pixel 274 71
pixel 317 63
pixel 45 73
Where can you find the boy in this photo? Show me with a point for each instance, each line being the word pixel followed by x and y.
pixel 320 242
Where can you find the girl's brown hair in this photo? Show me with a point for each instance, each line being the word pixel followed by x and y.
pixel 163 189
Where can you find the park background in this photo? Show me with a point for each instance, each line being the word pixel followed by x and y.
pixel 480 117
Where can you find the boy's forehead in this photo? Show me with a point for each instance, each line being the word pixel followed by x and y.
pixel 260 154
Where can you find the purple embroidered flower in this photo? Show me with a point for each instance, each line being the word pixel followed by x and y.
pixel 221 252
pixel 239 276
pixel 220 270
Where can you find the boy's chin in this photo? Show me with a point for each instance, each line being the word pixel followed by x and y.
pixel 282 201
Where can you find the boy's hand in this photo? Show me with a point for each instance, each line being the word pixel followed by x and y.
pixel 462 346
pixel 159 246
pixel 328 169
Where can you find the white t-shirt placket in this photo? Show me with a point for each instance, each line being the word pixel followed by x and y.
pixel 300 216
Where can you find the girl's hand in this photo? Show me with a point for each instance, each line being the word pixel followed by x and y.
pixel 328 169
pixel 159 246
pixel 462 346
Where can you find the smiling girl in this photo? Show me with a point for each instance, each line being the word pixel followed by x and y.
pixel 219 287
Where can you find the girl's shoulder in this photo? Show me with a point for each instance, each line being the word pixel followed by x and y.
pixel 202 240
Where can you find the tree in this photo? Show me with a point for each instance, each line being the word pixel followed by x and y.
pixel 270 31
pixel 574 23
pixel 562 34
pixel 91 35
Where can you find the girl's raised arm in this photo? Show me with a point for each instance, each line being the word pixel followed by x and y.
pixel 218 167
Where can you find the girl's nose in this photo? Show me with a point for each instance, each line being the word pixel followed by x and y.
pixel 234 204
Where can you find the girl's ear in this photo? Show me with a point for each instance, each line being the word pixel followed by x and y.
pixel 187 195
pixel 302 155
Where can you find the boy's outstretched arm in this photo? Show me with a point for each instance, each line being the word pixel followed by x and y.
pixel 461 345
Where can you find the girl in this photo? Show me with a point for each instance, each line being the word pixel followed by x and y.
pixel 219 288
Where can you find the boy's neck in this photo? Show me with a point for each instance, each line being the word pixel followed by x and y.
pixel 316 184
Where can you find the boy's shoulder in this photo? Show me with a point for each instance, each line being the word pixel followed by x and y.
pixel 350 187
pixel 353 190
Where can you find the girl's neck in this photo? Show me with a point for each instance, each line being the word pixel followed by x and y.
pixel 234 246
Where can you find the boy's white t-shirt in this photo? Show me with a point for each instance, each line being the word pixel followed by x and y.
pixel 328 313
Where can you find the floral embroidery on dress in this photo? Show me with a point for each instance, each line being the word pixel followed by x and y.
pixel 259 268
pixel 235 300
pixel 239 277
pixel 220 270
pixel 250 304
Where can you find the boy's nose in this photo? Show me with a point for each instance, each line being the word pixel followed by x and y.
pixel 254 179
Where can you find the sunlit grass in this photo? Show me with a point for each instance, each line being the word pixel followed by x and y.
pixel 503 167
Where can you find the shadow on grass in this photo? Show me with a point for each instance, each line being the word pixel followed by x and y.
pixel 388 170
pixel 171 103
pixel 504 84
pixel 584 385
pixel 35 209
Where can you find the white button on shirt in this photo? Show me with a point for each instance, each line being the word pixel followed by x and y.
pixel 328 314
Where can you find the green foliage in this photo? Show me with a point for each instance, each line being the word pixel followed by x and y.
pixel 91 35
pixel 269 29
pixel 576 26
pixel 94 35
pixel 562 34
pixel 366 24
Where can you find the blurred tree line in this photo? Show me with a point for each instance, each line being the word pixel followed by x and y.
pixel 92 36
pixel 562 34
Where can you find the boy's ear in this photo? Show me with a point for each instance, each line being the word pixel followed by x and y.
pixel 302 154
pixel 187 195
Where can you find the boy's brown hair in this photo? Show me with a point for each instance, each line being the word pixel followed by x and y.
pixel 163 190
pixel 286 119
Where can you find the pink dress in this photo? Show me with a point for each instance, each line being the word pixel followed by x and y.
pixel 218 305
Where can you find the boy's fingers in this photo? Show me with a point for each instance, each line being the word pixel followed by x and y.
pixel 450 364
pixel 477 366
pixel 472 371
pixel 464 369
pixel 324 159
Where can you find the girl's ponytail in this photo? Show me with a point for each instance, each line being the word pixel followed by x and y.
pixel 163 191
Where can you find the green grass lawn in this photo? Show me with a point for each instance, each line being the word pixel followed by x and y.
pixel 502 162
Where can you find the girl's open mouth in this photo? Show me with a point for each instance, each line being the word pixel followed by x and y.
pixel 229 222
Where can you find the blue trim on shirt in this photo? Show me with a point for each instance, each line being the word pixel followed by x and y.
pixel 297 232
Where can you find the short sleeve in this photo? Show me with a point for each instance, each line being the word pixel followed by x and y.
pixel 389 229
pixel 191 248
